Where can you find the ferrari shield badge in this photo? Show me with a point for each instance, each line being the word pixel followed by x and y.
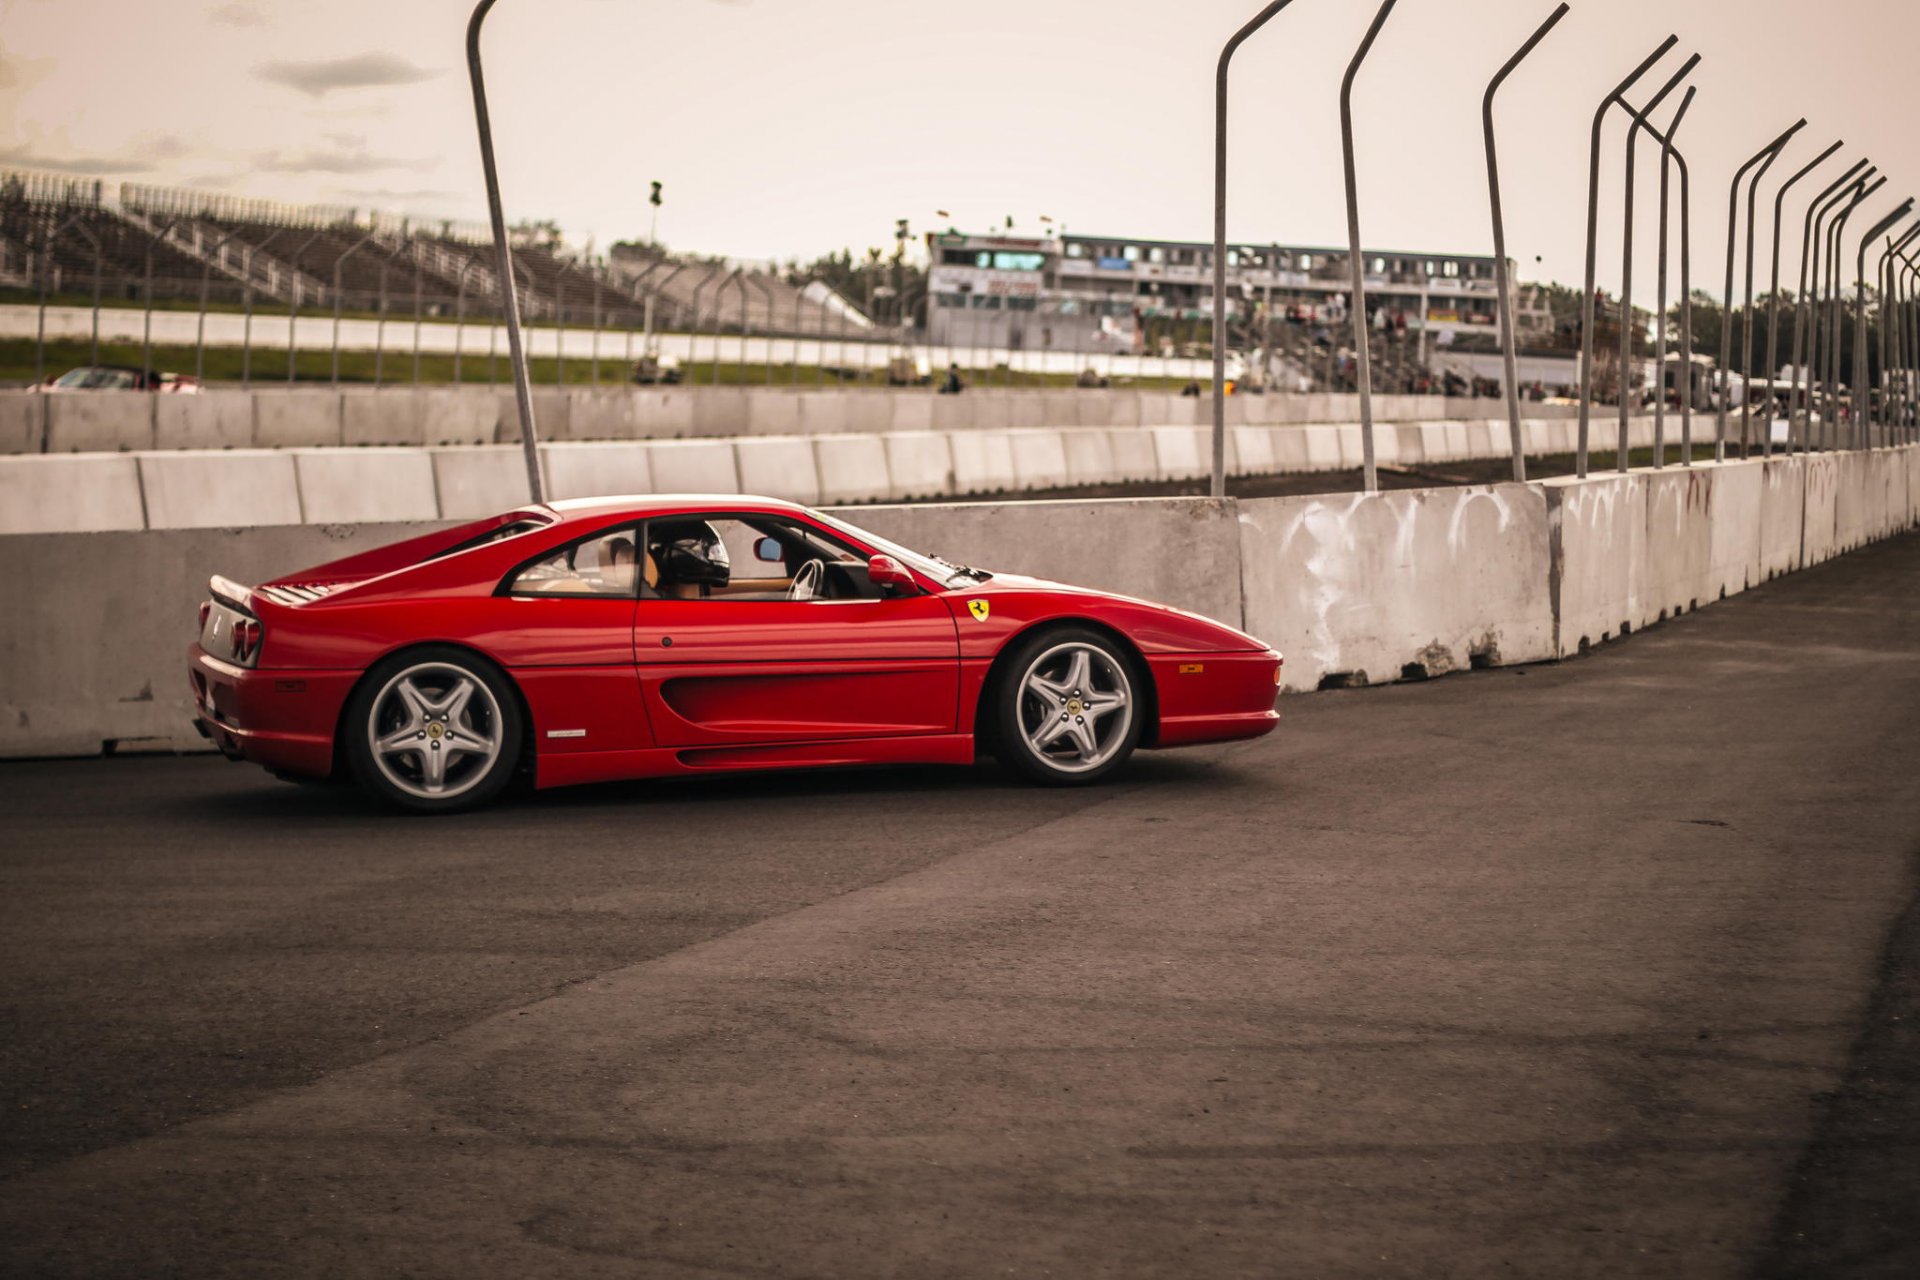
pixel 979 609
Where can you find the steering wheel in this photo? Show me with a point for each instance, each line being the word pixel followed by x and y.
pixel 806 582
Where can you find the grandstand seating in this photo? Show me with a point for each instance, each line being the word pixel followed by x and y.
pixel 49 226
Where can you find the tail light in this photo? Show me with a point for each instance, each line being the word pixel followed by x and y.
pixel 246 637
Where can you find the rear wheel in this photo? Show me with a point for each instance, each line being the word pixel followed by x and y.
pixel 1068 711
pixel 435 730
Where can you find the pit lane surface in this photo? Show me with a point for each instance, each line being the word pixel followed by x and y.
pixel 1593 969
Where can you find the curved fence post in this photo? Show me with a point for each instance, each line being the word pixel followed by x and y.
pixel 1356 262
pixel 1806 320
pixel 1593 232
pixel 1773 296
pixel 1862 389
pixel 1660 293
pixel 1509 361
pixel 1219 481
pixel 522 386
pixel 1746 323
pixel 1623 447
pixel 1765 155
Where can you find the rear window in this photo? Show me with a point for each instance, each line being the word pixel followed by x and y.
pixel 512 529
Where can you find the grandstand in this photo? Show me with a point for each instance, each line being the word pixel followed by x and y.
pixel 73 237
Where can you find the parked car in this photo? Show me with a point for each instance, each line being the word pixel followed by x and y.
pixel 113 377
pixel 651 370
pixel 635 637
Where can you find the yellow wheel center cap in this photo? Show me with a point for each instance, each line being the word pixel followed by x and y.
pixel 1074 707
pixel 434 730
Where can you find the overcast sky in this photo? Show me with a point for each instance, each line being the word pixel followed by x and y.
pixel 791 127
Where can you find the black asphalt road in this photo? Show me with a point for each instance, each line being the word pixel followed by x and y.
pixel 1606 968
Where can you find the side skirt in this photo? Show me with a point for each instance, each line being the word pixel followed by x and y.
pixel 571 768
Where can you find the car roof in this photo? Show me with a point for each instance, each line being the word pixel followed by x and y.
pixel 642 504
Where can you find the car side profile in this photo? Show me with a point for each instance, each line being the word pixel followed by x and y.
pixel 612 638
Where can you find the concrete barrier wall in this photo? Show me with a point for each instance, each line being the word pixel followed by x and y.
pixel 1389 586
pixel 311 417
pixel 1361 589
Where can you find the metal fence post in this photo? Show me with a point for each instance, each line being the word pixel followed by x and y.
pixel 1836 237
pixel 1219 480
pixel 1806 320
pixel 1773 296
pixel 1593 233
pixel 1509 361
pixel 1746 322
pixel 1889 328
pixel 1623 448
pixel 522 388
pixel 1357 266
pixel 1764 155
pixel 339 264
pixel 1862 389
pixel 1660 292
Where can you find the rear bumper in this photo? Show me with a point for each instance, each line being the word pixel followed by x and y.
pixel 283 720
pixel 1215 697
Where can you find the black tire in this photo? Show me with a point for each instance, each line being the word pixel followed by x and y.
pixel 435 675
pixel 1021 713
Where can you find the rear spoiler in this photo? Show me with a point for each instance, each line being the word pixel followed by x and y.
pixel 232 594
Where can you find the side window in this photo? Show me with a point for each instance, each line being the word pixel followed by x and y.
pixel 603 565
pixel 742 558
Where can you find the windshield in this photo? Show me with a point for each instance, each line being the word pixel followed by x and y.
pixel 942 571
pixel 93 379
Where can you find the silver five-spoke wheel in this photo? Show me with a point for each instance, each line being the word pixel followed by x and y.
pixel 435 731
pixel 1074 710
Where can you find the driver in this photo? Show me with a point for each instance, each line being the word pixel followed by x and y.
pixel 691 558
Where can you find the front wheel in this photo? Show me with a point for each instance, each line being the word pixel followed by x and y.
pixel 434 730
pixel 1068 711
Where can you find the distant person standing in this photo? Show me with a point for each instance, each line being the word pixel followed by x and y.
pixel 952 386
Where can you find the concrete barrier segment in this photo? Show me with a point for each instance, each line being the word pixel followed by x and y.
pixel 99 421
pixel 596 469
pixel 366 486
pixel 236 489
pixel 919 464
pixel 693 466
pixel 1599 527
pixel 470 483
pixel 779 467
pixel 70 493
pixel 1407 584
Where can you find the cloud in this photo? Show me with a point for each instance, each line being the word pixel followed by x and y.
pixel 22 73
pixel 238 14
pixel 384 195
pixel 362 71
pixel 84 166
pixel 336 159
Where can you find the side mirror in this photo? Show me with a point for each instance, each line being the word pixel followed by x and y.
pixel 889 574
pixel 769 551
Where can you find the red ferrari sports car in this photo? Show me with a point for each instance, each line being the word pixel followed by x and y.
pixel 639 637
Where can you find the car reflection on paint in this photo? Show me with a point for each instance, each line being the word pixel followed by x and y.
pixel 587 640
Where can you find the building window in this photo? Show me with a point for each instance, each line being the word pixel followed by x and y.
pixel 1131 253
pixel 1076 250
pixel 1156 254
